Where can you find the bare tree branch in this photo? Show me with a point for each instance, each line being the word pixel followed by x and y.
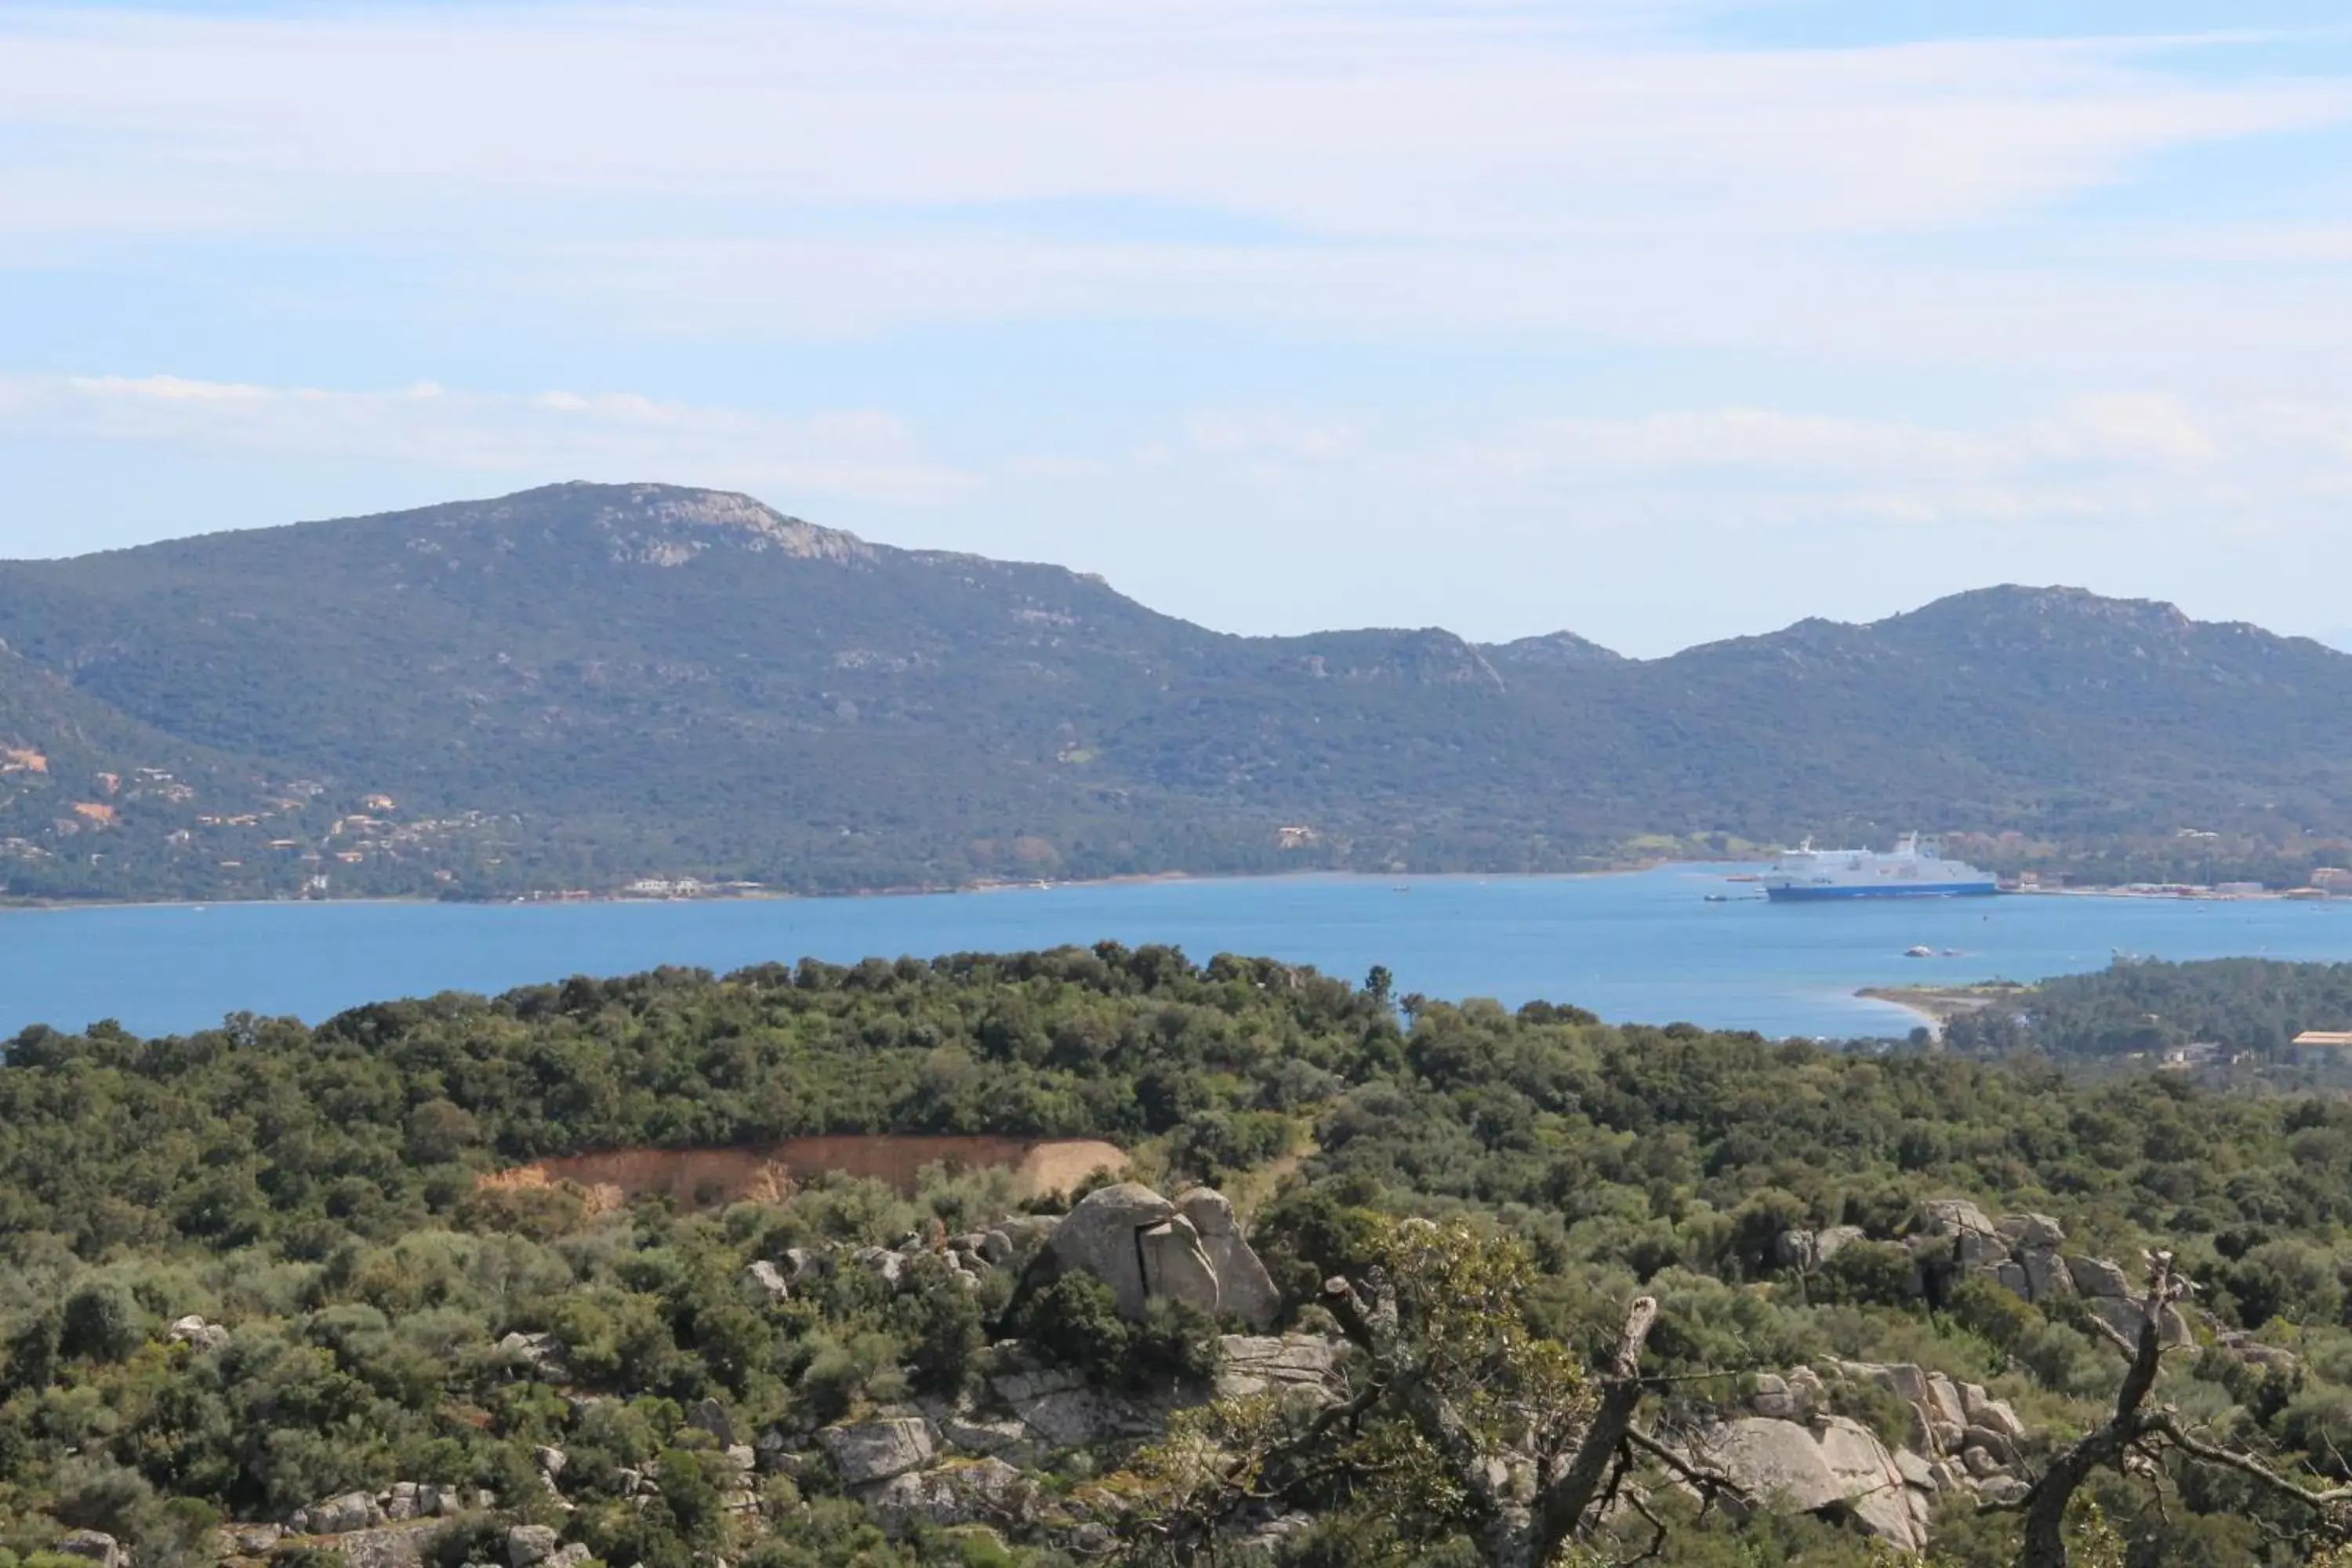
pixel 2045 1504
pixel 1560 1507
pixel 1711 1484
pixel 2323 1501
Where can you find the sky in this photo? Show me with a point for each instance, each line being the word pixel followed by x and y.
pixel 1656 320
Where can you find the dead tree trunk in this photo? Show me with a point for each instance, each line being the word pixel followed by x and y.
pixel 2135 1431
pixel 1510 1533
pixel 2045 1505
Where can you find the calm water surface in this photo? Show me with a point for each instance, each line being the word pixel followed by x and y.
pixel 1642 946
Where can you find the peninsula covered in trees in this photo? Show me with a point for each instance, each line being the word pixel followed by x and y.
pixel 274 1292
pixel 581 685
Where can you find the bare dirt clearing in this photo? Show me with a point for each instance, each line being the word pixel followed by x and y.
pixel 704 1178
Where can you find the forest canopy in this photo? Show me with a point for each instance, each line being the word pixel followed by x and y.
pixel 315 1191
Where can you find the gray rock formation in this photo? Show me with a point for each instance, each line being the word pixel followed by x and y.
pixel 1773 1397
pixel 538 1355
pixel 888 1265
pixel 2096 1277
pixel 2032 1231
pixel 1101 1234
pixel 1028 1232
pixel 709 1415
pixel 963 1491
pixel 1245 1290
pixel 248 1540
pixel 194 1331
pixel 1058 1405
pixel 1797 1249
pixel 336 1515
pixel 1974 1240
pixel 95 1545
pixel 1829 1243
pixel 767 1281
pixel 1145 1247
pixel 1251 1364
pixel 528 1544
pixel 870 1451
pixel 1006 1437
pixel 1834 1465
pixel 1175 1265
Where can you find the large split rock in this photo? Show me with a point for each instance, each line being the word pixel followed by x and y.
pixel 1245 1290
pixel 1835 1467
pixel 1175 1265
pixel 1147 1249
pixel 1101 1235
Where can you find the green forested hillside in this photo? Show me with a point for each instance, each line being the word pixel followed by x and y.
pixel 583 684
pixel 2254 1005
pixel 311 1196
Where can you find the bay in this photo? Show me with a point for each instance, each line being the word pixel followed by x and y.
pixel 1644 946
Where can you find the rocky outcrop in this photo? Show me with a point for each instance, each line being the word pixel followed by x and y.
pixel 528 1544
pixel 1832 1465
pixel 337 1515
pixel 537 1355
pixel 93 1545
pixel 194 1332
pixel 1057 1404
pixel 1102 1235
pixel 1960 1437
pixel 1952 1239
pixel 1146 1248
pixel 962 1491
pixel 1252 1365
pixel 870 1451
pixel 767 1281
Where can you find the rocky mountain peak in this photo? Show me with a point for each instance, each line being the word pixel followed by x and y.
pixel 664 525
pixel 1553 650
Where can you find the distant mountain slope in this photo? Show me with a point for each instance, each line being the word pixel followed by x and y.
pixel 93 801
pixel 582 684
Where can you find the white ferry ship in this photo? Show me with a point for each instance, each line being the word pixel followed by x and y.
pixel 1912 869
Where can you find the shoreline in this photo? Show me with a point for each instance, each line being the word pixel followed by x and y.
pixel 724 893
pixel 1939 1004
pixel 918 890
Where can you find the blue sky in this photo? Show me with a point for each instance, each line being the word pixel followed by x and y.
pixel 1656 320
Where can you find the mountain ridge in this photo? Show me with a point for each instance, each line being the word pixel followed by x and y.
pixel 579 684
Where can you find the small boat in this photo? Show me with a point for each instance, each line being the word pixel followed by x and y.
pixel 1718 898
pixel 1919 953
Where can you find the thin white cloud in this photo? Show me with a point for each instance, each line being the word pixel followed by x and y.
pixel 2132 458
pixel 1390 122
pixel 1273 435
pixel 747 172
pixel 862 454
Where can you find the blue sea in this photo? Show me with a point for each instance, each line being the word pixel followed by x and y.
pixel 1643 946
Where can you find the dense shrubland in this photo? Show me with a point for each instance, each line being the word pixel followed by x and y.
pixel 2139 1006
pixel 314 1190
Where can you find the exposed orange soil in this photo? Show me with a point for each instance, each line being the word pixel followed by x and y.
pixel 702 1178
